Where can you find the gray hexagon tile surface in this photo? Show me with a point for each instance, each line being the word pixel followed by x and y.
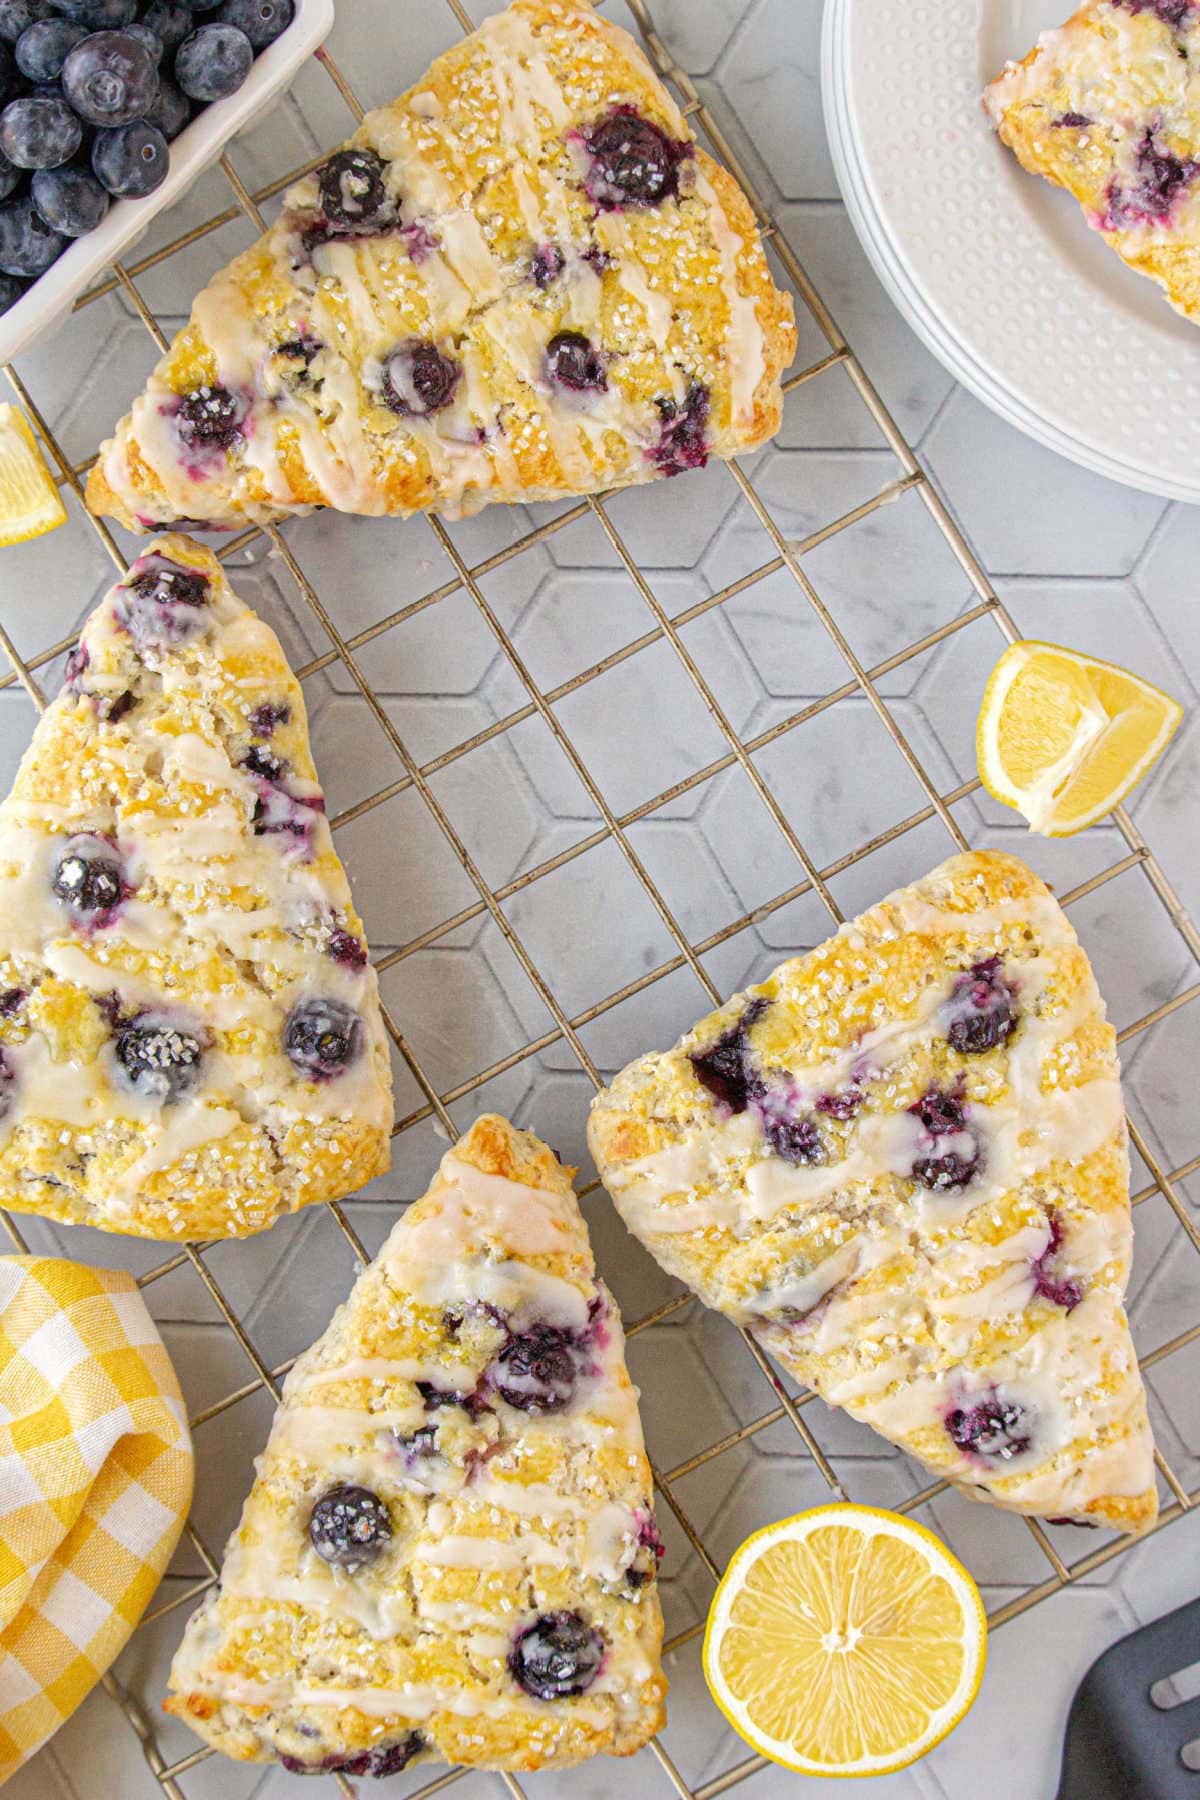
pixel 1076 560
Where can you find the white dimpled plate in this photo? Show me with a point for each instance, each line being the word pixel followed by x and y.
pixel 994 268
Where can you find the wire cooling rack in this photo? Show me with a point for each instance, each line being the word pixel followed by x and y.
pixel 662 628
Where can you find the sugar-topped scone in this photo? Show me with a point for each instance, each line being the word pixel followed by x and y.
pixel 1108 107
pixel 901 1162
pixel 449 1553
pixel 523 279
pixel 190 1035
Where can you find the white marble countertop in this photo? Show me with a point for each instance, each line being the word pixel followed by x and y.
pixel 1076 559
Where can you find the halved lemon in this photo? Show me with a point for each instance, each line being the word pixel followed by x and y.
pixel 844 1641
pixel 30 503
pixel 1063 737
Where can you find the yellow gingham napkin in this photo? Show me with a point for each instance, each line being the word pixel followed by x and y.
pixel 95 1483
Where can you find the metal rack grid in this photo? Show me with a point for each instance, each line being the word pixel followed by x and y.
pixel 662 628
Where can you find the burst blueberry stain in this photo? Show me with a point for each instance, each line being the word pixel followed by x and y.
pixel 76 666
pixel 1162 178
pixel 159 1058
pixel 1073 120
pixel 726 1068
pixel 943 1114
pixel 573 362
pixel 556 1657
pixel 281 813
pixel 995 1429
pixel 419 379
pixel 1060 1290
pixel 546 265
pixel 349 1526
pixel 981 1012
pixel 632 161
pixel 1174 13
pixel 8 1076
pixel 346 949
pixel 682 442
pixel 322 1037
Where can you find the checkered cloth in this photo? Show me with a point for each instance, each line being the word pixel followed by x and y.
pixel 95 1482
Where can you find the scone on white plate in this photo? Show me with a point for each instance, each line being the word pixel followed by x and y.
pixel 523 279
pixel 449 1552
pixel 190 1035
pixel 901 1162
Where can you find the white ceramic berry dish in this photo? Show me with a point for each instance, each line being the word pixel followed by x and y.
pixel 995 269
pixel 85 261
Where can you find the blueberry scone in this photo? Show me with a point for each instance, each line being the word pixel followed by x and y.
pixel 901 1162
pixel 190 1035
pixel 449 1553
pixel 1108 107
pixel 522 279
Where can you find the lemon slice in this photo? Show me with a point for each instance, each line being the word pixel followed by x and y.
pixel 845 1641
pixel 1063 737
pixel 29 501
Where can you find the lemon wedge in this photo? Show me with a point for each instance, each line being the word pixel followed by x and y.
pixel 29 501
pixel 1063 737
pixel 844 1641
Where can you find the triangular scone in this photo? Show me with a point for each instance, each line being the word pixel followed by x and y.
pixel 523 279
pixel 449 1552
pixel 1108 107
pixel 190 1036
pixel 901 1162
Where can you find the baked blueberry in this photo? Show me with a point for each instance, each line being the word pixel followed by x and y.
pixel 39 131
pixel 261 20
pixel 28 245
pixel 349 1526
pixel 11 1001
pixel 346 949
pixel 419 379
pixel 1162 177
pixel 537 1370
pixel 89 876
pixel 573 362
pixel 322 1037
pixel 353 191
pixel 158 1058
pixel 683 440
pixel 213 62
pixel 71 200
pixel 162 604
pixel 633 163
pixel 379 1761
pixel 726 1068
pixel 210 416
pixel 1048 1281
pixel 41 50
pixel 981 1012
pixel 546 265
pixel 943 1115
pixel 131 160
pixel 995 1428
pixel 795 1140
pixel 110 78
pixel 843 1105
pixel 1074 121
pixel 266 717
pixel 557 1656
pixel 260 761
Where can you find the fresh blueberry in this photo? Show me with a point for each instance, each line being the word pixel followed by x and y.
pixel 726 1068
pixel 349 1526
pixel 210 416
pixel 110 78
pixel 994 1428
pixel 943 1114
pixel 418 379
pixel 11 291
pixel 280 813
pixel 353 191
pixel 683 440
pixel 213 62
pixel 11 84
pixel 379 1761
pixel 98 15
pixel 42 50
pixel 557 1656
pixel 16 16
pixel 261 20
pixel 980 1013
pixel 27 244
pixel 1047 1282
pixel 573 362
pixel 10 177
pixel 536 1372
pixel 346 949
pixel 795 1140
pixel 546 265
pixel 131 160
pixel 633 163
pixel 70 199
pixel 162 605
pixel 171 110
pixel 89 876
pixel 322 1037
pixel 39 132
pixel 149 40
pixel 169 23
pixel 158 1059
